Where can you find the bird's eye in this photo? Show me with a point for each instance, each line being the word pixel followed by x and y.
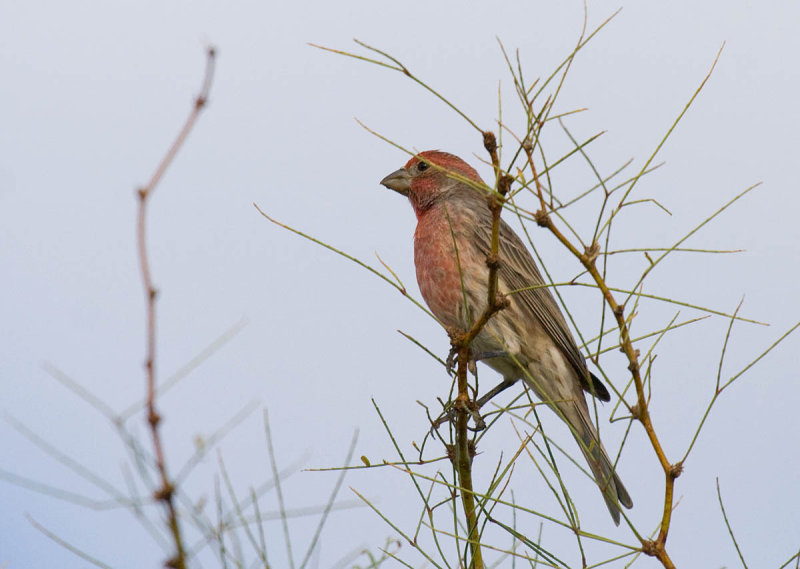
pixel 422 166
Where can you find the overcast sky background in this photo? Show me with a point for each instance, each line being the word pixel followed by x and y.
pixel 92 95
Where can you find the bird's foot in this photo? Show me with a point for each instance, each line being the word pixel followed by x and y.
pixel 499 388
pixel 452 359
pixel 474 407
pixel 450 415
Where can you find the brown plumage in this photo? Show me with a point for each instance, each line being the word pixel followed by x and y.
pixel 451 244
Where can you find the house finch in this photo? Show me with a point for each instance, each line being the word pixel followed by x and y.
pixel 529 339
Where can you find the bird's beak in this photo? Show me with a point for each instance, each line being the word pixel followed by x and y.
pixel 399 181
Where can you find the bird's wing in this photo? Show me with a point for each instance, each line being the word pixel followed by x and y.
pixel 518 271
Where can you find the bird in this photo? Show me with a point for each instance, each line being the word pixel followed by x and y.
pixel 529 339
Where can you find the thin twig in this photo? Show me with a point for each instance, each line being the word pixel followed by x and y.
pixel 329 506
pixel 166 493
pixel 278 490
pixel 80 553
pixel 728 525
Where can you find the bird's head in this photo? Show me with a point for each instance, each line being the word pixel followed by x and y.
pixel 429 176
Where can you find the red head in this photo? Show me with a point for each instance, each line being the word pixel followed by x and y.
pixel 429 177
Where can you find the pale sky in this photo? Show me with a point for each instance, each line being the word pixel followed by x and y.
pixel 94 92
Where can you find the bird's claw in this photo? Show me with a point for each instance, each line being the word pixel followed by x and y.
pixel 451 360
pixel 449 415
pixel 477 419
pixel 473 407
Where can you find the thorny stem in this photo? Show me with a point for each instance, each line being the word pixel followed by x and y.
pixel 166 492
pixel 464 448
pixel 640 411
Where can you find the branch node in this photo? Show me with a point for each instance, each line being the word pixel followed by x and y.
pixel 591 253
pixel 153 418
pixel 675 470
pixel 527 145
pixel 619 311
pixel 489 141
pixel 501 302
pixel 649 547
pixel 637 412
pixel 504 184
pixel 164 494
pixel 456 335
pixel 542 218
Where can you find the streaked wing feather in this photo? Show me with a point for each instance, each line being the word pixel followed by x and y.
pixel 519 271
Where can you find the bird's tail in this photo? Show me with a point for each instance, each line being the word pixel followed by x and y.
pixel 568 402
pixel 614 493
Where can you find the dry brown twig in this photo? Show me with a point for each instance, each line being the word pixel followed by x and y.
pixel 166 492
pixel 640 411
pixel 461 341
